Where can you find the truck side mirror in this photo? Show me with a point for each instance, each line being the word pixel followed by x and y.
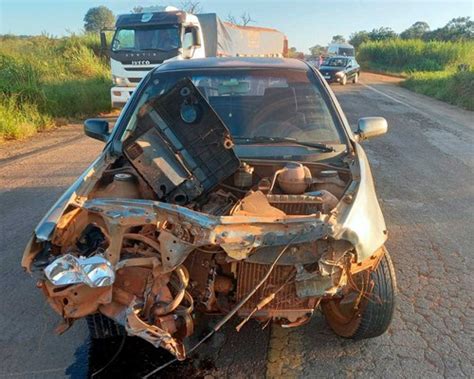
pixel 188 45
pixel 370 127
pixel 97 129
pixel 103 41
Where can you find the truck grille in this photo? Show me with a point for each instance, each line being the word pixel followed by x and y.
pixel 135 68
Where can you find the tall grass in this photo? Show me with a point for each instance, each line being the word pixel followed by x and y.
pixel 452 87
pixel 42 78
pixel 431 68
pixel 405 56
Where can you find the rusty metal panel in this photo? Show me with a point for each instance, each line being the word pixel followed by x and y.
pixel 285 303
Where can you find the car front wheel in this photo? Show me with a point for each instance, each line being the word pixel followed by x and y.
pixel 366 310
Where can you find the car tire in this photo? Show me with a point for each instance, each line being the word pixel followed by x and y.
pixel 343 80
pixel 101 327
pixel 356 78
pixel 375 311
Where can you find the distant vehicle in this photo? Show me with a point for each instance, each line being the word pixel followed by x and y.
pixel 340 70
pixel 145 40
pixel 342 49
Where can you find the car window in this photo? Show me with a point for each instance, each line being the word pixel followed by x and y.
pixel 337 62
pixel 270 103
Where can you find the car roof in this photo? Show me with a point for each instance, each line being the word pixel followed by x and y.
pixel 339 56
pixel 234 62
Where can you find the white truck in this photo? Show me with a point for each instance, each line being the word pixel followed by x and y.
pixel 342 49
pixel 143 41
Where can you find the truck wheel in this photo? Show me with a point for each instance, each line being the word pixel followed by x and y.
pixel 374 314
pixel 343 80
pixel 356 78
pixel 101 327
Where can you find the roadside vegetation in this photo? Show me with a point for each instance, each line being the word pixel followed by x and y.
pixel 437 63
pixel 45 81
pixel 443 70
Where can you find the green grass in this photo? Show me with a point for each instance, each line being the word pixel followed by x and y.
pixel 44 78
pixel 406 56
pixel 452 87
pixel 430 68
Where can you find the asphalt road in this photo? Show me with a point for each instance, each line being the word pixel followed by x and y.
pixel 423 170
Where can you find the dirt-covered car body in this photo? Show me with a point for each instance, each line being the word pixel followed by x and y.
pixel 166 223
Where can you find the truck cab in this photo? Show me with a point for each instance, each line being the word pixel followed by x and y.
pixel 341 49
pixel 144 40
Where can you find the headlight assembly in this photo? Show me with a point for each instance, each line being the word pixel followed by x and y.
pixel 119 81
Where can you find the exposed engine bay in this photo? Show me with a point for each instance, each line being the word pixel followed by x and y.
pixel 179 224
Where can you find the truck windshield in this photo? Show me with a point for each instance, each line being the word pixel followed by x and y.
pixel 139 39
pixel 273 103
pixel 347 51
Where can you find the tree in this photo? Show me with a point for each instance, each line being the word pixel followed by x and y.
pixel 137 9
pixel 317 50
pixel 382 34
pixel 98 18
pixel 460 28
pixel 243 20
pixel 358 38
pixel 416 31
pixel 294 53
pixel 338 39
pixel 191 6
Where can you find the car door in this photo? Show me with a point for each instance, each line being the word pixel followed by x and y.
pixel 356 66
pixel 350 68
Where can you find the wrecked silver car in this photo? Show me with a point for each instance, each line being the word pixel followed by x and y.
pixel 227 187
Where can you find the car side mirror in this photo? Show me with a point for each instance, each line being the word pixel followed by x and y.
pixel 103 40
pixel 97 129
pixel 370 127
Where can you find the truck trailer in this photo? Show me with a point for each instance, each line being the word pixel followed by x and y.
pixel 143 41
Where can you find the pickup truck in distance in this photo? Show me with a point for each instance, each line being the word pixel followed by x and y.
pixel 228 186
pixel 340 70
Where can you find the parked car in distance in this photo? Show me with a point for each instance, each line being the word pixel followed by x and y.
pixel 340 70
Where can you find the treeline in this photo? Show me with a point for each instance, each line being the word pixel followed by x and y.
pixel 458 29
pixel 45 81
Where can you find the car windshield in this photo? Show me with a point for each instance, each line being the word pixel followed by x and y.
pixel 257 104
pixel 336 62
pixel 139 39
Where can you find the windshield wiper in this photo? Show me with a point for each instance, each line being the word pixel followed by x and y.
pixel 270 140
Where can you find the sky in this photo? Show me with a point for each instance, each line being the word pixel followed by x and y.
pixel 305 22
